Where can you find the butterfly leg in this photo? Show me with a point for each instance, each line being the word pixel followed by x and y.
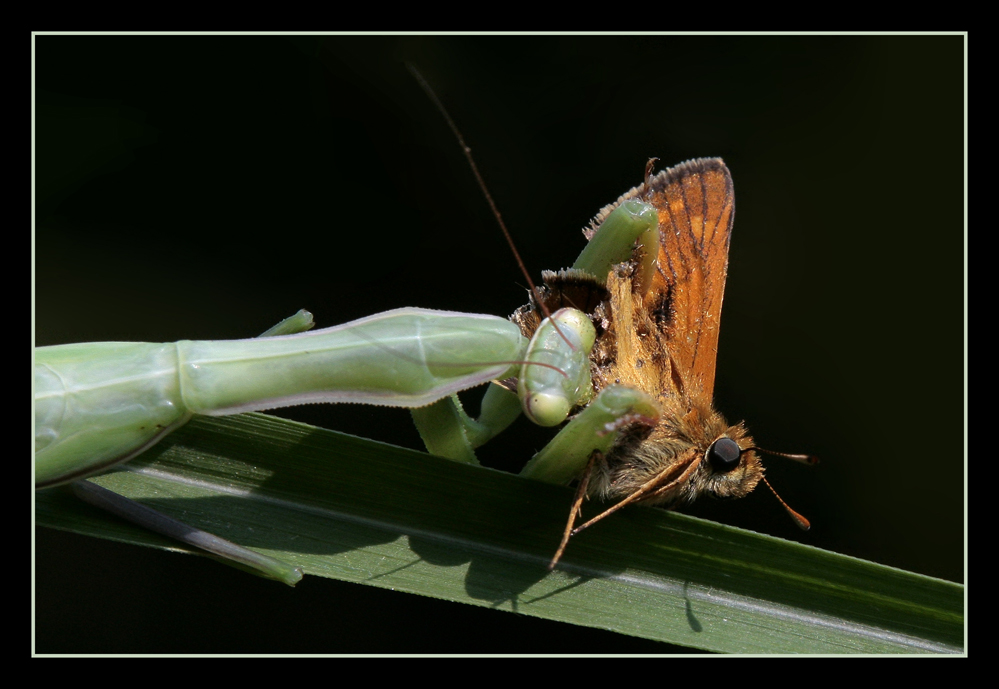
pixel 577 506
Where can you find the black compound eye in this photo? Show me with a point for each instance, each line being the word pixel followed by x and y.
pixel 724 455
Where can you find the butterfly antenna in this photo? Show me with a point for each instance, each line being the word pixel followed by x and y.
pixel 492 204
pixel 812 460
pixel 802 523
pixel 801 459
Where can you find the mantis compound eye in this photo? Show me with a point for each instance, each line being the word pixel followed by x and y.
pixel 724 455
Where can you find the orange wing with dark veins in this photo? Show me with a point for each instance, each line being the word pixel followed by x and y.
pixel 696 205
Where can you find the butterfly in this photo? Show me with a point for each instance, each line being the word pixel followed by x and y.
pixel 657 317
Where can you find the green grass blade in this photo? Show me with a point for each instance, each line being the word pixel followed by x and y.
pixel 362 511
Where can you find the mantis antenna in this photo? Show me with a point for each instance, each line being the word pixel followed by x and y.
pixel 489 198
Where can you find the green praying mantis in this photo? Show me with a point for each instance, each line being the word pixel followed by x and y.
pixel 629 374
pixel 619 350
pixel 100 404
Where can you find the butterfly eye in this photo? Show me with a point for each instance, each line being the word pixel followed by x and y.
pixel 724 455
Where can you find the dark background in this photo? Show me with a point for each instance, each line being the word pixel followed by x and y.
pixel 207 186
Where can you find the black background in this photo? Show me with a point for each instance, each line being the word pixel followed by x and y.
pixel 204 187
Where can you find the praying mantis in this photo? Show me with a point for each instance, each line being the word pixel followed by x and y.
pixel 100 404
pixel 660 251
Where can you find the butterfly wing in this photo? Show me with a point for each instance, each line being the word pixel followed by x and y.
pixel 696 205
